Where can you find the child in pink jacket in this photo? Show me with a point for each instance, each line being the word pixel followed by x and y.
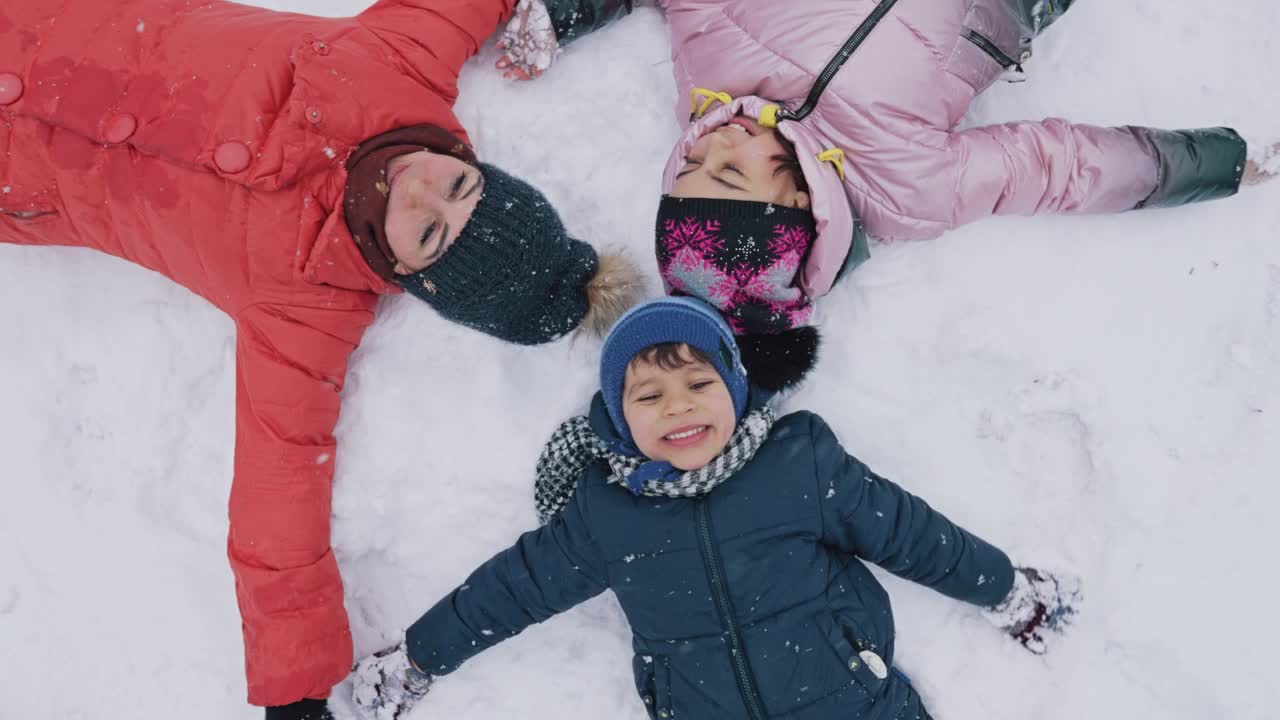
pixel 814 124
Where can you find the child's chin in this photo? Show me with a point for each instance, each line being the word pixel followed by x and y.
pixel 691 461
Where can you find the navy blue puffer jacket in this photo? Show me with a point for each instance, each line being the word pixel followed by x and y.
pixel 749 602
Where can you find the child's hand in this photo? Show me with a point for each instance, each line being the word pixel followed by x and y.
pixel 529 42
pixel 386 684
pixel 1265 167
pixel 1039 606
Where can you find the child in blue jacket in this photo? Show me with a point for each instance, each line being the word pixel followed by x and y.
pixel 733 541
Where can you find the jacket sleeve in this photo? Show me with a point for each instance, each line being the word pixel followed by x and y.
pixel 435 37
pixel 546 572
pixel 288 376
pixel 1053 166
pixel 574 18
pixel 871 517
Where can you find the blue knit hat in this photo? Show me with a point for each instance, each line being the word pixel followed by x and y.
pixel 669 320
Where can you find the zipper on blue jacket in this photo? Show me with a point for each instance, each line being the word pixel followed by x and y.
pixel 991 49
pixel 720 591
pixel 846 51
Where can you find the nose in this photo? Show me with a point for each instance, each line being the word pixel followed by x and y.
pixel 726 138
pixel 678 403
pixel 725 148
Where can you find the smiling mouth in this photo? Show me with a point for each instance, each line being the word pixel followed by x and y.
pixel 687 436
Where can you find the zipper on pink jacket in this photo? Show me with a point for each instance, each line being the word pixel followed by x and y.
pixel 846 51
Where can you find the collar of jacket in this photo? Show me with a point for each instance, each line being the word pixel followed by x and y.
pixel 333 259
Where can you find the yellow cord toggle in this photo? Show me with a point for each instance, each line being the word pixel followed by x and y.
pixel 835 156
pixel 769 116
pixel 708 97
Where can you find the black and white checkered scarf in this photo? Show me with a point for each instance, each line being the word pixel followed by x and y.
pixel 574 446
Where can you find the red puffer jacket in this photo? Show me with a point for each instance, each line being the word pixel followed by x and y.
pixel 206 141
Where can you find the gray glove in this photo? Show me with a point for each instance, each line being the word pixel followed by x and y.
pixel 386 684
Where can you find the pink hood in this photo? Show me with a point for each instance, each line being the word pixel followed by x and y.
pixel 892 109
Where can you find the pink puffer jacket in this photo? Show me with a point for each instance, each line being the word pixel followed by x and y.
pixel 892 108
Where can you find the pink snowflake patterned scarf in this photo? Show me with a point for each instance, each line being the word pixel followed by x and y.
pixel 740 256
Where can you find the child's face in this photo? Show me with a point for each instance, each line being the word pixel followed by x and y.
pixel 682 415
pixel 739 161
pixel 431 198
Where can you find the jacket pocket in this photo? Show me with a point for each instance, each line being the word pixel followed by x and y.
pixel 988 46
pixel 653 683
pixel 854 650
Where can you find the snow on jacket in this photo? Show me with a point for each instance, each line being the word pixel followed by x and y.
pixel 206 141
pixel 893 107
pixel 749 602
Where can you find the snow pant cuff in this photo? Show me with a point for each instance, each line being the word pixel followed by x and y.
pixel 1195 165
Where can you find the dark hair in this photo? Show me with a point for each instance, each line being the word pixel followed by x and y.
pixel 789 162
pixel 670 356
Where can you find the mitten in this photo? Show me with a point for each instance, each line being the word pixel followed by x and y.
pixel 386 684
pixel 529 43
pixel 1038 607
pixel 1263 166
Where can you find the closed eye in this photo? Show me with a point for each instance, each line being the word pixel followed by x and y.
pixel 648 398
pixel 474 186
pixel 702 384
pixel 689 166
pixel 428 233
pixel 440 246
pixel 457 186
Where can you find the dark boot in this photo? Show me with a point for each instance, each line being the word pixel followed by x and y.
pixel 301 710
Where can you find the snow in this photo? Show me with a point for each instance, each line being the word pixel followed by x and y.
pixel 1100 395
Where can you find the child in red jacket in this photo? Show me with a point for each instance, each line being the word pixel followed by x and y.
pixel 290 170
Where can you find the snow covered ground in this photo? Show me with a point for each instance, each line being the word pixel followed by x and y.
pixel 1100 395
